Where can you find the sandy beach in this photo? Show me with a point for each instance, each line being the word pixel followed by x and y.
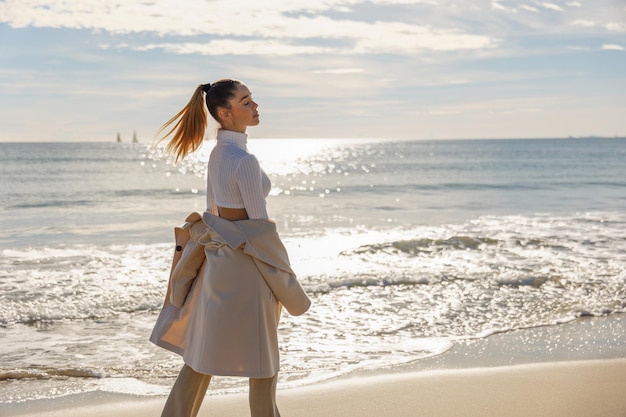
pixel 563 389
pixel 584 377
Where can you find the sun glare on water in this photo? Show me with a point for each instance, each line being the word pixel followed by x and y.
pixel 284 156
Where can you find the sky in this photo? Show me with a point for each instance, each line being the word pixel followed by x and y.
pixel 85 70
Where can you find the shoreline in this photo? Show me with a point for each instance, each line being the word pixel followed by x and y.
pixel 582 339
pixel 573 369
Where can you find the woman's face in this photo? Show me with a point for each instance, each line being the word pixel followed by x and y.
pixel 243 111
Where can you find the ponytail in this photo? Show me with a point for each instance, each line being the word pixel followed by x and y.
pixel 189 126
pixel 191 122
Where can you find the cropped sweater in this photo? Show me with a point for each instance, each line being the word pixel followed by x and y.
pixel 235 178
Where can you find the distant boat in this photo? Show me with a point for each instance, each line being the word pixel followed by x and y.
pixel 119 138
pixel 135 137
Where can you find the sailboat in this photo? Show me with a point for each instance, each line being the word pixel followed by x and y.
pixel 135 137
pixel 119 138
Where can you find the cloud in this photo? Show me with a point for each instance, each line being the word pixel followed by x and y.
pixel 438 112
pixel 277 19
pixel 233 47
pixel 340 71
pixel 497 6
pixel 615 27
pixel 584 23
pixel 610 26
pixel 514 8
pixel 612 47
pixel 552 6
pixel 303 27
pixel 278 28
pixel 497 106
pixel 579 48
pixel 529 8
pixel 350 37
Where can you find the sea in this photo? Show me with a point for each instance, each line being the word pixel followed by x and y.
pixel 406 249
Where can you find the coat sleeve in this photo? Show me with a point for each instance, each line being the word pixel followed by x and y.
pixel 286 288
pixel 185 272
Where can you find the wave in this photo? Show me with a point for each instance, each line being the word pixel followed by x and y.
pixel 54 204
pixel 100 198
pixel 157 193
pixel 365 282
pixel 383 189
pixel 47 373
pixel 291 189
pixel 43 285
pixel 372 282
pixel 43 320
pixel 417 246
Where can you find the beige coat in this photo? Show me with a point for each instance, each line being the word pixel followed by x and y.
pixel 228 282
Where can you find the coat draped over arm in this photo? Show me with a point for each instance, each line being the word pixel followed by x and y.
pixel 227 284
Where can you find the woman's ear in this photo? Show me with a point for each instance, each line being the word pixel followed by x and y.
pixel 223 114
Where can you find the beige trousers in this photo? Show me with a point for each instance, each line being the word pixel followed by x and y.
pixel 190 387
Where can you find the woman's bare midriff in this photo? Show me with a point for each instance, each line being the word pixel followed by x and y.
pixel 233 213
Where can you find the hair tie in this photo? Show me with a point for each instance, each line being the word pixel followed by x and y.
pixel 206 87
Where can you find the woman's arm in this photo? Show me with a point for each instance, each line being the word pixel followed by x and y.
pixel 249 180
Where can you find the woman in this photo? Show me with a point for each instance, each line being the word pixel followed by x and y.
pixel 230 275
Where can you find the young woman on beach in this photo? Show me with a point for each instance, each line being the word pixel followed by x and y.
pixel 230 274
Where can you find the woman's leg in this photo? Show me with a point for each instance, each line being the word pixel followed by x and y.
pixel 187 394
pixel 263 397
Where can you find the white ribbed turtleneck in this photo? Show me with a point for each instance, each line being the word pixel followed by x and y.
pixel 235 179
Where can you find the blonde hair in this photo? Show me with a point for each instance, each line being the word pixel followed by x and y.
pixel 190 123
